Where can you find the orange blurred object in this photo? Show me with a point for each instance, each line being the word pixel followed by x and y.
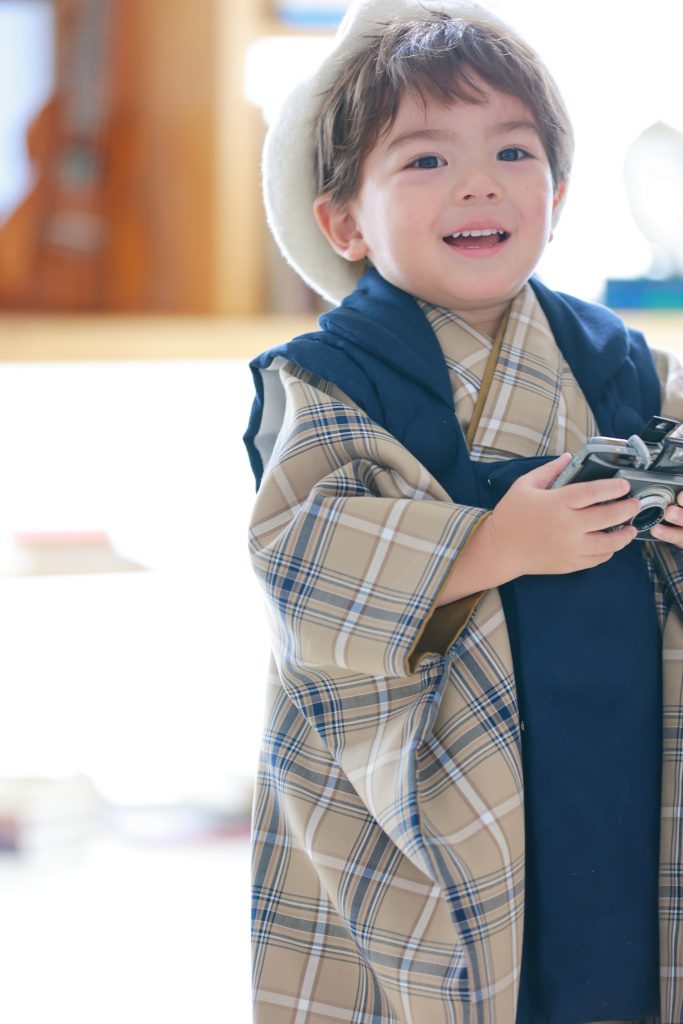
pixel 78 240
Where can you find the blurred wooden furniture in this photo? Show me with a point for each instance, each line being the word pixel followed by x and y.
pixel 80 239
pixel 188 151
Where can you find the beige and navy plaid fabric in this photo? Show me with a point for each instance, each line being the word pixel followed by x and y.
pixel 388 840
pixel 535 406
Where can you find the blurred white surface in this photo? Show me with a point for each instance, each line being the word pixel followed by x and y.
pixel 148 682
pixel 127 935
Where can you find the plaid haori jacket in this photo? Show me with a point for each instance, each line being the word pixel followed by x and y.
pixel 388 839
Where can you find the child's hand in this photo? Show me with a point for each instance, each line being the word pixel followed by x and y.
pixel 671 530
pixel 535 530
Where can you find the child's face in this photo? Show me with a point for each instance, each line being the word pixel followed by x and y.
pixel 444 169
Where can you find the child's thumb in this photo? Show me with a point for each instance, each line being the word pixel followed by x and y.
pixel 543 476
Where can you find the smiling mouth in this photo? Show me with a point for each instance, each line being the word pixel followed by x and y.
pixel 484 239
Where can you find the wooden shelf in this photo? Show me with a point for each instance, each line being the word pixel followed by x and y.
pixel 29 339
pixel 25 338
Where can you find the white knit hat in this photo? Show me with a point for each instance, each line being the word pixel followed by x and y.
pixel 289 185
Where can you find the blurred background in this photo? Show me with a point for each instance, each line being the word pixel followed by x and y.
pixel 136 279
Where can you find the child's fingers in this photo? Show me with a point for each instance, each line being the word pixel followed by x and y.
pixel 674 515
pixel 543 476
pixel 600 546
pixel 670 529
pixel 669 534
pixel 594 492
pixel 614 513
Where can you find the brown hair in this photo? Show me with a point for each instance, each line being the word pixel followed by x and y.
pixel 442 58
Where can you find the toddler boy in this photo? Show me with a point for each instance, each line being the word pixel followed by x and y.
pixel 458 807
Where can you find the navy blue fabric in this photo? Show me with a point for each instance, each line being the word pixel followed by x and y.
pixel 586 650
pixel 380 350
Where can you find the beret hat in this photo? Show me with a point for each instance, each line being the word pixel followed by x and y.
pixel 289 185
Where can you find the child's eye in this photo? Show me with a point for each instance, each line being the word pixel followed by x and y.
pixel 428 163
pixel 512 153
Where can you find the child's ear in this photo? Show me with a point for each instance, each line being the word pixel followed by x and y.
pixel 339 227
pixel 558 201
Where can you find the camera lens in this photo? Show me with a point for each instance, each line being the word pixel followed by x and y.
pixel 648 517
pixel 653 505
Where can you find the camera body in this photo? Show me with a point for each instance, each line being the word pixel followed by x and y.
pixel 651 461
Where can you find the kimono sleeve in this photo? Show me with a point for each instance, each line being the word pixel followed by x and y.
pixel 668 557
pixel 670 373
pixel 353 540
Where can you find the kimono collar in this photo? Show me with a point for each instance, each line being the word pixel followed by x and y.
pixel 596 343
pixel 380 350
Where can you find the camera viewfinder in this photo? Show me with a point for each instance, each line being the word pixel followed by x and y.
pixel 657 429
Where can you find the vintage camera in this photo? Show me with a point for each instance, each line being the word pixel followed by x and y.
pixel 652 462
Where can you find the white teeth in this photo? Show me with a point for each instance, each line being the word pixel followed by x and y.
pixel 476 234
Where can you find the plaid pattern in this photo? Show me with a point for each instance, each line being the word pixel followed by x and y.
pixel 388 840
pixel 535 406
pixel 669 594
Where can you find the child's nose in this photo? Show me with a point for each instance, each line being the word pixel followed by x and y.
pixel 476 185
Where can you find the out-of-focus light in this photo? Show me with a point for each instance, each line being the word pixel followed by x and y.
pixel 274 65
pixel 653 171
pixel 26 80
pixel 310 14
